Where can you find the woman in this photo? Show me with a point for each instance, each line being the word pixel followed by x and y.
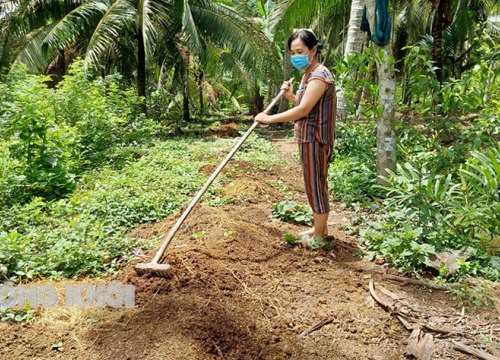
pixel 314 113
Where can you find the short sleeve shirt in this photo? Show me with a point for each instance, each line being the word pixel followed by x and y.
pixel 319 124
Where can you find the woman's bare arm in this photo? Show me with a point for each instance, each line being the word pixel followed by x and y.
pixel 314 91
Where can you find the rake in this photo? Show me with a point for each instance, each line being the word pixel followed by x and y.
pixel 155 268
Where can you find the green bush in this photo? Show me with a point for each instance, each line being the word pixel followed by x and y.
pixel 356 76
pixel 351 180
pixel 352 172
pixel 355 139
pixel 432 213
pixel 38 143
pixel 461 92
pixel 51 137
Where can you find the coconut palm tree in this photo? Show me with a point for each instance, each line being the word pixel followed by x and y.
pixel 328 18
pixel 449 25
pixel 386 134
pixel 250 47
pixel 118 31
pixel 135 36
pixel 354 44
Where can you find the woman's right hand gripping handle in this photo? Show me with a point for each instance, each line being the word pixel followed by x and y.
pixel 288 87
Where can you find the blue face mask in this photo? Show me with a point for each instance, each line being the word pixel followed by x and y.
pixel 300 62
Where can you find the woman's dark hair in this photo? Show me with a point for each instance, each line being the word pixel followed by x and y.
pixel 308 38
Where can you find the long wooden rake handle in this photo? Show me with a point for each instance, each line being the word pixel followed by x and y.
pixel 171 234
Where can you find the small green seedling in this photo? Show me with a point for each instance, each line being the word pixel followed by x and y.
pixel 58 346
pixel 198 234
pixel 290 239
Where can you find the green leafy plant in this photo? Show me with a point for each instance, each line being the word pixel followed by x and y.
pixel 292 212
pixel 291 239
pixel 316 243
pixel 19 315
pixel 478 295
pixel 351 179
pixel 51 137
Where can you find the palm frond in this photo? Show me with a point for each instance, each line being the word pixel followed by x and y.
pixel 190 30
pixel 116 21
pixel 293 13
pixel 229 30
pixel 152 16
pixel 67 28
pixel 30 53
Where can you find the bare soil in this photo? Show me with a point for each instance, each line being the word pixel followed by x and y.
pixel 240 292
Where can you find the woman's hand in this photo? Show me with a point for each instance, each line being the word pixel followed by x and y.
pixel 263 118
pixel 288 87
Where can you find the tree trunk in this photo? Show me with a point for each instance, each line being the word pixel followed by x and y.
pixel 141 67
pixel 5 58
pixel 442 18
pixel 186 56
pixel 200 88
pixel 186 115
pixel 353 46
pixel 287 74
pixel 258 101
pixel 437 35
pixel 363 91
pixel 57 69
pixel 386 135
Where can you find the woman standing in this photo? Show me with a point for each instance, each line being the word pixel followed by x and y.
pixel 314 113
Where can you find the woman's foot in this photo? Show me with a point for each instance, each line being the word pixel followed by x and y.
pixel 311 242
pixel 310 232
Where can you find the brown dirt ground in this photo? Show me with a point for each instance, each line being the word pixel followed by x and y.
pixel 239 292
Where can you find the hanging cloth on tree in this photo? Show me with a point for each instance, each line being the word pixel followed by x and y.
pixel 365 25
pixel 382 23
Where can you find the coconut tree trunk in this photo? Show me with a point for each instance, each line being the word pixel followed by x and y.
pixel 353 46
pixel 141 66
pixel 386 135
pixel 5 54
pixel 186 114
pixel 60 68
pixel 437 35
pixel 362 93
pixel 355 36
pixel 57 69
pixel 201 76
pixel 442 18
pixel 287 74
pixel 258 101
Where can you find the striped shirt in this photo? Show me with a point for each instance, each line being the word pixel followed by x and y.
pixel 319 124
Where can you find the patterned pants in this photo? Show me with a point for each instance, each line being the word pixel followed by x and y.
pixel 315 158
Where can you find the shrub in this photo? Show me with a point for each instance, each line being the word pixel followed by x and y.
pixel 38 143
pixel 429 213
pixel 352 172
pixel 51 137
pixel 351 180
